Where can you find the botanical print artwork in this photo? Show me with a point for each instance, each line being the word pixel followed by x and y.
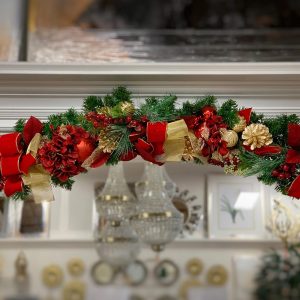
pixel 231 210
pixel 230 214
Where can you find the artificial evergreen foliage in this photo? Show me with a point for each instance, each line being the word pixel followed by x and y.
pixel 252 164
pixel 194 108
pixel 119 94
pixel 159 109
pixel 115 122
pixel 22 195
pixel 123 146
pixel 206 101
pixel 91 103
pixel 65 185
pixel 70 117
pixel 19 127
pixel 229 112
pixel 256 118
pixel 278 127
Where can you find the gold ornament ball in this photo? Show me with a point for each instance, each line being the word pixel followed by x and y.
pixel 231 137
pixel 241 125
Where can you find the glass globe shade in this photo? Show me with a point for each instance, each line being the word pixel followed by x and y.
pixel 157 221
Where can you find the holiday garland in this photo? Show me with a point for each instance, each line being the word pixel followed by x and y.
pixel 112 129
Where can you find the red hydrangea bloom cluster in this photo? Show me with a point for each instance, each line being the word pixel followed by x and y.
pixel 206 128
pixel 63 155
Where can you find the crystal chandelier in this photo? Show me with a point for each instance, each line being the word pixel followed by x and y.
pixel 157 221
pixel 118 244
pixel 169 185
pixel 116 202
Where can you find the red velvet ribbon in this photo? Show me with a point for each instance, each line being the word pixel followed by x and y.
pixel 13 161
pixel 293 157
pixel 246 113
pixel 265 150
pixel 153 147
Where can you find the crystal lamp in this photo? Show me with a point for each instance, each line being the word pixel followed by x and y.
pixel 116 202
pixel 157 221
pixel 169 185
pixel 118 244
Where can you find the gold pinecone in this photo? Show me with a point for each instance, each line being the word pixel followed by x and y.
pixel 256 136
pixel 241 125
pixel 105 110
pixel 127 108
pixel 108 142
pixel 230 137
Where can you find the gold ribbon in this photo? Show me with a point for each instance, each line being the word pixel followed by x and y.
pixel 175 143
pixel 38 178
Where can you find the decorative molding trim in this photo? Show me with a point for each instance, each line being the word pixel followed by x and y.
pixel 34 89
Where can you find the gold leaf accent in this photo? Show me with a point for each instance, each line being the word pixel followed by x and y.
pixel 108 142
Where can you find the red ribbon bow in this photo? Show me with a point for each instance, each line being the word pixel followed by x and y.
pixel 13 161
pixel 152 149
pixel 293 157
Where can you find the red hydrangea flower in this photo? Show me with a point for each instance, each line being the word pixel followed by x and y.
pixel 60 156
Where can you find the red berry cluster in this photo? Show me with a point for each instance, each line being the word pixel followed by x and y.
pixel 229 160
pixel 102 120
pixel 284 171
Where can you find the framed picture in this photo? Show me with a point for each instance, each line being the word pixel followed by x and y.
pixel 235 207
pixel 285 210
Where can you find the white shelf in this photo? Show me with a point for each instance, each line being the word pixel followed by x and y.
pixel 191 243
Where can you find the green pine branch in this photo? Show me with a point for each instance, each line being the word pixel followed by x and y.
pixel 124 145
pixel 159 109
pixel 70 117
pixel 20 124
pixel 262 166
pixel 278 127
pixel 92 103
pixel 195 108
pixel 229 112
pixel 22 195
pixel 119 94
pixel 65 185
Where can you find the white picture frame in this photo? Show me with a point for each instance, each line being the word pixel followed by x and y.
pixel 235 208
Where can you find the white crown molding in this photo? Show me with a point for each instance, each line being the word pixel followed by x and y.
pixel 34 89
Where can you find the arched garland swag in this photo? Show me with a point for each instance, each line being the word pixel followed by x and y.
pixel 112 129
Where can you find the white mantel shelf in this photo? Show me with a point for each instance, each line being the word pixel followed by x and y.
pixel 34 89
pixel 191 243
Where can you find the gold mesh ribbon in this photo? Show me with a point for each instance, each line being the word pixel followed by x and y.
pixel 38 178
pixel 175 143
